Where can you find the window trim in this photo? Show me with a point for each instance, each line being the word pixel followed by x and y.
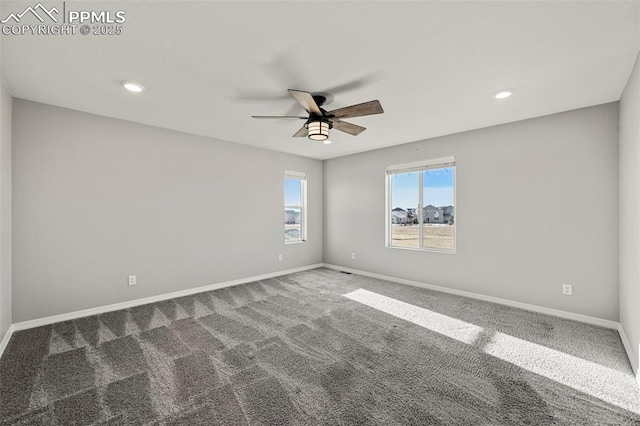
pixel 302 176
pixel 429 164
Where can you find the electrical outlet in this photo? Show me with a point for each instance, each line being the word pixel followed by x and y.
pixel 279 258
pixel 567 289
pixel 353 255
pixel 132 280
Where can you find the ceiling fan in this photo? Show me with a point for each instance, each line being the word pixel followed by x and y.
pixel 320 121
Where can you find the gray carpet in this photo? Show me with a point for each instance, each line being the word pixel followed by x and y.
pixel 318 347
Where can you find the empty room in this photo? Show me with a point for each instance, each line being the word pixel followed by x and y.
pixel 319 213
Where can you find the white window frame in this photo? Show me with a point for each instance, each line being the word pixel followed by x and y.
pixel 419 166
pixel 302 176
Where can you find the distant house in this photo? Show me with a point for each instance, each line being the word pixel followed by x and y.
pixel 430 214
pixel 291 217
pixel 412 216
pixel 448 213
pixel 399 216
pixel 433 214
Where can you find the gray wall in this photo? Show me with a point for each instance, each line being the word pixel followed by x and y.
pixel 552 182
pixel 5 209
pixel 630 211
pixel 98 199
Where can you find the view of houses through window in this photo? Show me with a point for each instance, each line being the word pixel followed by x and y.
pixel 421 203
pixel 295 200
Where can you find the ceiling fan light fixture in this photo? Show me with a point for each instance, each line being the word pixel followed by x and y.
pixel 318 130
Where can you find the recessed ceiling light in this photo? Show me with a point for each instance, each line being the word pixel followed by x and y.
pixel 504 94
pixel 326 141
pixel 133 86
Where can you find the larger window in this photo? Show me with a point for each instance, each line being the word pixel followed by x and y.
pixel 421 205
pixel 295 206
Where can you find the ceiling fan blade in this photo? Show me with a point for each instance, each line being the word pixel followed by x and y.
pixel 279 116
pixel 284 70
pixel 303 132
pixel 350 128
pixel 306 100
pixel 366 108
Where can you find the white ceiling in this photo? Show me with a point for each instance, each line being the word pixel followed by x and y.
pixel 434 66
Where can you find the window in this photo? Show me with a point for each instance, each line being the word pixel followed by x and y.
pixel 421 205
pixel 295 206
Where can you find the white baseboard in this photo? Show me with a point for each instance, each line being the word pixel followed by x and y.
pixel 137 302
pixel 5 339
pixel 526 306
pixel 631 354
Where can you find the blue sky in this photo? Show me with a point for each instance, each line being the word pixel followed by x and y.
pixel 292 192
pixel 438 188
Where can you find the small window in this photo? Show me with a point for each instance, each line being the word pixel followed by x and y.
pixel 421 205
pixel 295 206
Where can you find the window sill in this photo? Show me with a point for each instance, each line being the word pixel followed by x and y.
pixel 431 250
pixel 294 241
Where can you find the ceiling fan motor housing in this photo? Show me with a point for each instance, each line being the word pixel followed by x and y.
pixel 320 99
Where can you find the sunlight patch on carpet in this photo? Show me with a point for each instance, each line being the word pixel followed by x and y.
pixel 443 324
pixel 577 373
pixel 585 376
